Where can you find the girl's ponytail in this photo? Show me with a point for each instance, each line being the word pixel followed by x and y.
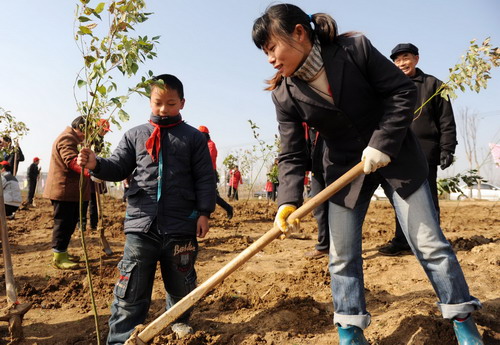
pixel 325 27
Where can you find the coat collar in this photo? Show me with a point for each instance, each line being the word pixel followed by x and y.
pixel 419 76
pixel 300 91
pixel 334 73
pixel 69 130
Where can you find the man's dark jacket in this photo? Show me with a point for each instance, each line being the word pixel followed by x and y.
pixel 187 186
pixel 434 124
pixel 33 172
pixel 374 103
pixel 14 158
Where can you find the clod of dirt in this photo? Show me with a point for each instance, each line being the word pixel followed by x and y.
pixel 467 244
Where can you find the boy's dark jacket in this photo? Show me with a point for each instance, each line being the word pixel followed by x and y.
pixel 374 103
pixel 188 182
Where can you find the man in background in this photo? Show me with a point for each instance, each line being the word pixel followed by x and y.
pixel 11 153
pixel 434 126
pixel 33 173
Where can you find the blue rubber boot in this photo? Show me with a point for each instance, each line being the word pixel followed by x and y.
pixel 351 335
pixel 466 332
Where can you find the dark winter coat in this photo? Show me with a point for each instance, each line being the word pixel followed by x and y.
pixel 434 124
pixel 14 158
pixel 183 190
pixel 33 172
pixel 373 106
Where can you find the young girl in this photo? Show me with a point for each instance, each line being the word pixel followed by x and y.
pixel 361 104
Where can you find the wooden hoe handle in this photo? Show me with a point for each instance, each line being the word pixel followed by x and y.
pixel 156 326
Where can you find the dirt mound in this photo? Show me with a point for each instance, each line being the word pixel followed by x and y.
pixel 278 297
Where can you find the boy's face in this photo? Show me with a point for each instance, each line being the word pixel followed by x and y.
pixel 165 102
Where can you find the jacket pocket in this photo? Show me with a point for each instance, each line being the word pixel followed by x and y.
pixel 122 285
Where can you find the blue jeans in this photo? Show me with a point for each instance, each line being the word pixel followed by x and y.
pixel 177 256
pixel 420 224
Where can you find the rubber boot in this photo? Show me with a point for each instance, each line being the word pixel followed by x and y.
pixel 351 335
pixel 62 262
pixel 466 332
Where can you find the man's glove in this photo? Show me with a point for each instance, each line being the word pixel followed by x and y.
pixel 446 159
pixel 374 159
pixel 280 221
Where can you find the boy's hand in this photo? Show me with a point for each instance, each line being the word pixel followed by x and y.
pixel 86 158
pixel 202 226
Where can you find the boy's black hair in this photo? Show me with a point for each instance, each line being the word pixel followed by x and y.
pixel 78 123
pixel 172 82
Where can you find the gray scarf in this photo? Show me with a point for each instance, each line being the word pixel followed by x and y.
pixel 312 65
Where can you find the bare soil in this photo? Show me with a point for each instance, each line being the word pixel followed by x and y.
pixel 279 297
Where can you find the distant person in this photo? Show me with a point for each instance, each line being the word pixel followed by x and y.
pixel 212 148
pixel 307 184
pixel 63 190
pixel 32 174
pixel 273 175
pixel 234 182
pixel 171 196
pixel 361 104
pixel 12 153
pixel 269 188
pixel 434 126
pixel 11 191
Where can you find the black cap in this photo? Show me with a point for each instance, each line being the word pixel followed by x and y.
pixel 404 48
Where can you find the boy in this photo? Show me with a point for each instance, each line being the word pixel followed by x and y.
pixel 171 195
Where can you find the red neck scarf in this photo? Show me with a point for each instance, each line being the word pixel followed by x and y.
pixel 153 144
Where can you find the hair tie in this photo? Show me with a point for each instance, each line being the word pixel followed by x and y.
pixel 310 18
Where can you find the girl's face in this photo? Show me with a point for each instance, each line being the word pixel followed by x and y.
pixel 288 55
pixel 165 102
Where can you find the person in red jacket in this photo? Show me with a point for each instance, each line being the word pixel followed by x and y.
pixel 234 181
pixel 213 154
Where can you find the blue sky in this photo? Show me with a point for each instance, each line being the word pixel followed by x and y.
pixel 207 44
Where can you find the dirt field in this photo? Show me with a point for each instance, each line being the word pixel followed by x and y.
pixel 279 297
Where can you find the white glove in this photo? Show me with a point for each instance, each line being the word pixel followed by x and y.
pixel 374 159
pixel 95 179
pixel 281 219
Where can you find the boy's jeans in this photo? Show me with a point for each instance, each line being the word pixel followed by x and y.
pixel 177 256
pixel 420 225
